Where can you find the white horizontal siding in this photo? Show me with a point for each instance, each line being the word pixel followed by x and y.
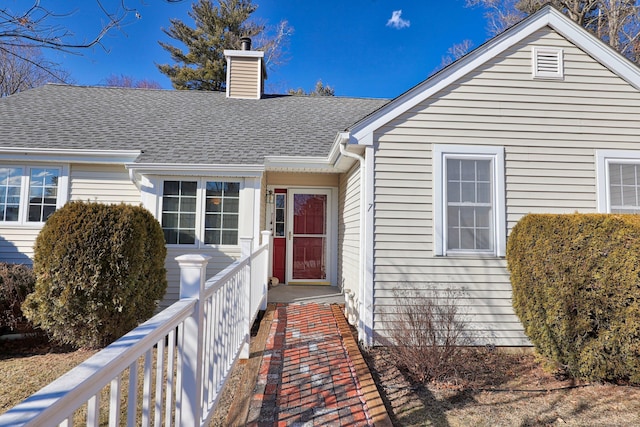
pixel 103 184
pixel 349 229
pixel 220 259
pixel 550 131
pixel 16 243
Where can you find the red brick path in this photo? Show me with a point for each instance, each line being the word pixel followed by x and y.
pixel 306 377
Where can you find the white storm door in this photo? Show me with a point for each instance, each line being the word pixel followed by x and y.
pixel 308 236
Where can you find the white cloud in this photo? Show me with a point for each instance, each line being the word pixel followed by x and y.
pixel 396 20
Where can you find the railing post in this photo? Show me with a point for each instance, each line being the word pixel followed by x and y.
pixel 246 244
pixel 266 239
pixel 192 279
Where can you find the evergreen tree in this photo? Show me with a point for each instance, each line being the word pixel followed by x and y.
pixel 217 27
pixel 320 90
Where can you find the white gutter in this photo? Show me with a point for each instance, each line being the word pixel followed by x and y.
pixel 69 155
pixel 196 169
pixel 362 327
pixel 136 170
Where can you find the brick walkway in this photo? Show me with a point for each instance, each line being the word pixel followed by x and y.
pixel 306 377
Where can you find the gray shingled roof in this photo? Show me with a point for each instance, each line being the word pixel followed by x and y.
pixel 177 126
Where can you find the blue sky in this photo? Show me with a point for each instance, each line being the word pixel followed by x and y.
pixel 363 48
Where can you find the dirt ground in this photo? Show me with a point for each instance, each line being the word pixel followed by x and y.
pixel 494 388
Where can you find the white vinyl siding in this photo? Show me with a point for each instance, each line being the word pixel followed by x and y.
pixel 550 131
pixel 221 258
pixel 349 230
pixel 102 183
pixel 16 243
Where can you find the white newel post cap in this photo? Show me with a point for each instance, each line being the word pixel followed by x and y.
pixel 193 268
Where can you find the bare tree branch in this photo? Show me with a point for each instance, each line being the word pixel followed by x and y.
pixel 39 26
pixel 24 68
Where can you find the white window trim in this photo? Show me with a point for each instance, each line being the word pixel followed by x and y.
pixel 555 51
pixel 603 159
pixel 200 214
pixel 440 154
pixel 61 198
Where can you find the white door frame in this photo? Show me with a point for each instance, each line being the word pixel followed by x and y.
pixel 331 248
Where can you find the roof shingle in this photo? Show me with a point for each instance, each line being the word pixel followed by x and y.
pixel 177 126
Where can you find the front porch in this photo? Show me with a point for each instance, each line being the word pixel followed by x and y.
pixel 320 294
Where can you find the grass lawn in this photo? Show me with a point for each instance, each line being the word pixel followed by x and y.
pixel 493 388
pixel 27 367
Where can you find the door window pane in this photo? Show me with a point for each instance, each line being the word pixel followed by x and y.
pixel 308 258
pixel 309 213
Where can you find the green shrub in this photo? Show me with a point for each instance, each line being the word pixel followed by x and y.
pixel 16 282
pixel 99 270
pixel 576 289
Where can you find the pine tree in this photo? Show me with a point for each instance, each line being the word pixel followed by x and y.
pixel 320 90
pixel 217 27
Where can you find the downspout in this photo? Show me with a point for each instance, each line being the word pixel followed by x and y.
pixel 362 328
pixel 134 178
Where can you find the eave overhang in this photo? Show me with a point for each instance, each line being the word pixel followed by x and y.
pixel 69 155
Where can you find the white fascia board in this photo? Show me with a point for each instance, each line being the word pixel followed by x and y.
pixel 69 155
pixel 196 170
pixel 321 164
pixel 548 16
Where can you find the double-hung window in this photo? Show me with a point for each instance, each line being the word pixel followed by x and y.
pixel 30 194
pixel 469 213
pixel 618 181
pixel 200 211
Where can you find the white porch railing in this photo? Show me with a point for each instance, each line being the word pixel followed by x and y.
pixel 171 369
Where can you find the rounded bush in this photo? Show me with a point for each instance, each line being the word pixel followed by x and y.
pixel 99 272
pixel 576 289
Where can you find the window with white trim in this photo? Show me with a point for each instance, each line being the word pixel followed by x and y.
pixel 618 181
pixel 30 194
pixel 200 211
pixel 469 207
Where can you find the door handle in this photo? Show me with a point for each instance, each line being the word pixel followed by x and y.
pixel 289 235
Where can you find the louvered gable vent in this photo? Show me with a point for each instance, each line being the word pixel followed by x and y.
pixel 547 63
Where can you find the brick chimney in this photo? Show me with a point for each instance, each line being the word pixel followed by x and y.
pixel 245 72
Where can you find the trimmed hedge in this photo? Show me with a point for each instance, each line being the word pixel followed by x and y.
pixel 16 282
pixel 576 289
pixel 100 272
